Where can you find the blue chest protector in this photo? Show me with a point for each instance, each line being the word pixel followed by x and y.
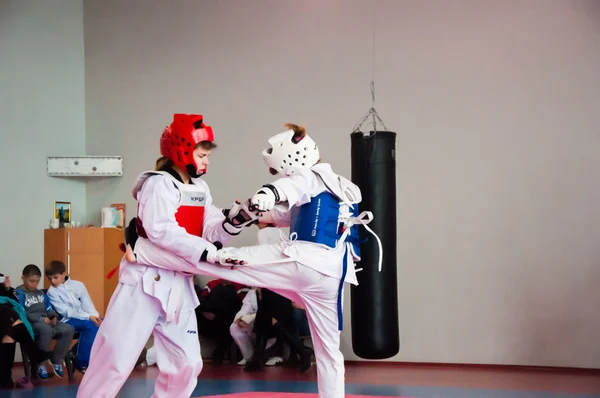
pixel 319 222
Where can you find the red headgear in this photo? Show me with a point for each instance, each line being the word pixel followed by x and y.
pixel 179 140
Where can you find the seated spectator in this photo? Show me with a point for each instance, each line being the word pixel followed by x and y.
pixel 242 328
pixel 14 328
pixel 273 318
pixel 220 300
pixel 72 301
pixel 44 321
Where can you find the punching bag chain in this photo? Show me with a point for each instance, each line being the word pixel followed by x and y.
pixel 371 118
pixel 375 119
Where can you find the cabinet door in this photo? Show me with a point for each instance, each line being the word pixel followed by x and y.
pixel 55 248
pixel 112 259
pixel 88 268
pixel 85 240
pixel 55 245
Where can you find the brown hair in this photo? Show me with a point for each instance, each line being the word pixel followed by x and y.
pixel 299 131
pixel 55 267
pixel 164 163
pixel 208 145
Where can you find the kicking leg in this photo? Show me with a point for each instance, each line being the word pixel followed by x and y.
pixel 264 274
pixel 148 253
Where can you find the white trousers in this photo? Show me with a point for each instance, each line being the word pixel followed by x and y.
pixel 245 339
pixel 317 292
pixel 132 316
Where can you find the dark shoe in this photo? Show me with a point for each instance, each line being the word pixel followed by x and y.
pixel 295 344
pixel 306 359
pixel 257 362
pixel 254 365
pixel 292 361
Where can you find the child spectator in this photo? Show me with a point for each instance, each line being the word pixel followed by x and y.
pixel 14 328
pixel 219 302
pixel 44 321
pixel 242 328
pixel 72 301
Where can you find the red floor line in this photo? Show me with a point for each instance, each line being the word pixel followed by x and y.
pixel 476 366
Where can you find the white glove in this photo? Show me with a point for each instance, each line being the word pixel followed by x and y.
pixel 238 217
pixel 210 254
pixel 265 198
pixel 219 256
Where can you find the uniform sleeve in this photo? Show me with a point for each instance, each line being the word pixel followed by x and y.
pixel 87 305
pixel 280 218
pixel 213 229
pixel 246 305
pixel 299 187
pixel 158 203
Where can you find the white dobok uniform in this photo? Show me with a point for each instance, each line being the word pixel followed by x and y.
pixel 160 298
pixel 304 271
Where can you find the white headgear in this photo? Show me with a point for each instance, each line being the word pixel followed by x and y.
pixel 286 154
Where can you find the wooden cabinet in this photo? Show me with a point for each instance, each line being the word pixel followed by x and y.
pixel 89 254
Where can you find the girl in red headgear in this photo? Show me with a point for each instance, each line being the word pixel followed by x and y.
pixel 175 213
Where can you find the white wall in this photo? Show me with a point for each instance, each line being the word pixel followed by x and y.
pixel 496 109
pixel 41 114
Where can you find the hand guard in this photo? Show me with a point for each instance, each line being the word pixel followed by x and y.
pixel 238 217
pixel 219 256
pixel 265 198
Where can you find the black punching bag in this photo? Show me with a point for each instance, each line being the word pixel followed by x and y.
pixel 374 302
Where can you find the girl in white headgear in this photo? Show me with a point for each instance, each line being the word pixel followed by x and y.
pixel 321 209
